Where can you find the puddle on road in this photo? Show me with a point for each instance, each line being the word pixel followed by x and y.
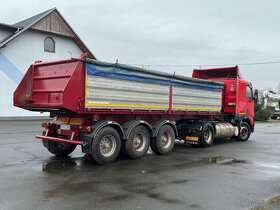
pixel 53 167
pixel 116 198
pixel 147 189
pixel 57 165
pixel 224 160
pixel 183 181
pixel 204 161
pixel 68 189
pixel 150 190
pixel 62 164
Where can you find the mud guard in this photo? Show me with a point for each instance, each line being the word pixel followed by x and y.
pixel 97 126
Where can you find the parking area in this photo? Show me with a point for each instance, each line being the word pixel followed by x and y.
pixel 228 175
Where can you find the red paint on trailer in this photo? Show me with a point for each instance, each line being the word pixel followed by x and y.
pixel 170 100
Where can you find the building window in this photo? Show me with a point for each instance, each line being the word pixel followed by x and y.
pixel 49 45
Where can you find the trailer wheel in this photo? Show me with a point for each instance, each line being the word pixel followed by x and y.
pixel 105 146
pixel 164 141
pixel 207 135
pixel 245 132
pixel 60 148
pixel 138 142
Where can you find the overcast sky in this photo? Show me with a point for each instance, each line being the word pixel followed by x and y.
pixel 172 32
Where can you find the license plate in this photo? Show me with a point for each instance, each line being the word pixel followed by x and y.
pixel 191 138
pixel 65 127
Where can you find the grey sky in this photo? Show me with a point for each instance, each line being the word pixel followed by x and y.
pixel 172 32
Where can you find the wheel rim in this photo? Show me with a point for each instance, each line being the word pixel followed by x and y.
pixel 139 142
pixel 208 136
pixel 107 145
pixel 244 132
pixel 165 140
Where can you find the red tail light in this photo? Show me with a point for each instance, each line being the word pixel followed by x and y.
pixel 192 131
pixel 45 125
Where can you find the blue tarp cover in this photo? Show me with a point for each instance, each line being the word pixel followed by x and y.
pixel 128 74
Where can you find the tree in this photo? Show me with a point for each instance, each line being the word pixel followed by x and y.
pixel 261 114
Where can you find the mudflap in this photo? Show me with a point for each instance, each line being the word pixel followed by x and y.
pixel 86 148
pixel 192 138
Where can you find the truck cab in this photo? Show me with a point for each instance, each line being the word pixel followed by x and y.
pixel 238 98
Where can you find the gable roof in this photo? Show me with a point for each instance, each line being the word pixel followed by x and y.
pixel 32 20
pixel 7 26
pixel 19 27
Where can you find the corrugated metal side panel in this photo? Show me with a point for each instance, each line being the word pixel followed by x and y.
pixel 111 93
pixel 195 99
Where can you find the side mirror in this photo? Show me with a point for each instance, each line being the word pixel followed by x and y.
pixel 256 95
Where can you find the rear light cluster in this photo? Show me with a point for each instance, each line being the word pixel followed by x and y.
pixel 45 125
pixel 68 120
pixel 88 129
pixel 67 123
pixel 192 131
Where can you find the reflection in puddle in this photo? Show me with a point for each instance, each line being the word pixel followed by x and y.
pixel 55 164
pixel 224 160
pixel 63 164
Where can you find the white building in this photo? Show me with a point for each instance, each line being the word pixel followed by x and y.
pixel 46 37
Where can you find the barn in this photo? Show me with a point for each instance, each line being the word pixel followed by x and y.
pixel 44 37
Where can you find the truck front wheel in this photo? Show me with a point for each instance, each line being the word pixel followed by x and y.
pixel 105 146
pixel 164 141
pixel 60 148
pixel 137 144
pixel 245 132
pixel 207 135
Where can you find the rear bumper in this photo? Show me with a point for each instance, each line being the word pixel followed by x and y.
pixel 61 140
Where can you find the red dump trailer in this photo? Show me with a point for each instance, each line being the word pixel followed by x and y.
pixel 109 108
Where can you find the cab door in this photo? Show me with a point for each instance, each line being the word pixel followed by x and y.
pixel 249 107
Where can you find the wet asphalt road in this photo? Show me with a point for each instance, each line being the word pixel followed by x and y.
pixel 229 175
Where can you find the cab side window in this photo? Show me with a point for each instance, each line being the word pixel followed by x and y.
pixel 249 93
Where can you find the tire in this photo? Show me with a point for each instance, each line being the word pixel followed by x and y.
pixel 274 117
pixel 138 142
pixel 105 146
pixel 245 132
pixel 163 143
pixel 207 135
pixel 60 148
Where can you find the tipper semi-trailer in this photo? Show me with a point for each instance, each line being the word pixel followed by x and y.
pixel 109 108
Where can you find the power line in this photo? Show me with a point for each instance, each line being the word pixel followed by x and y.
pixel 194 65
